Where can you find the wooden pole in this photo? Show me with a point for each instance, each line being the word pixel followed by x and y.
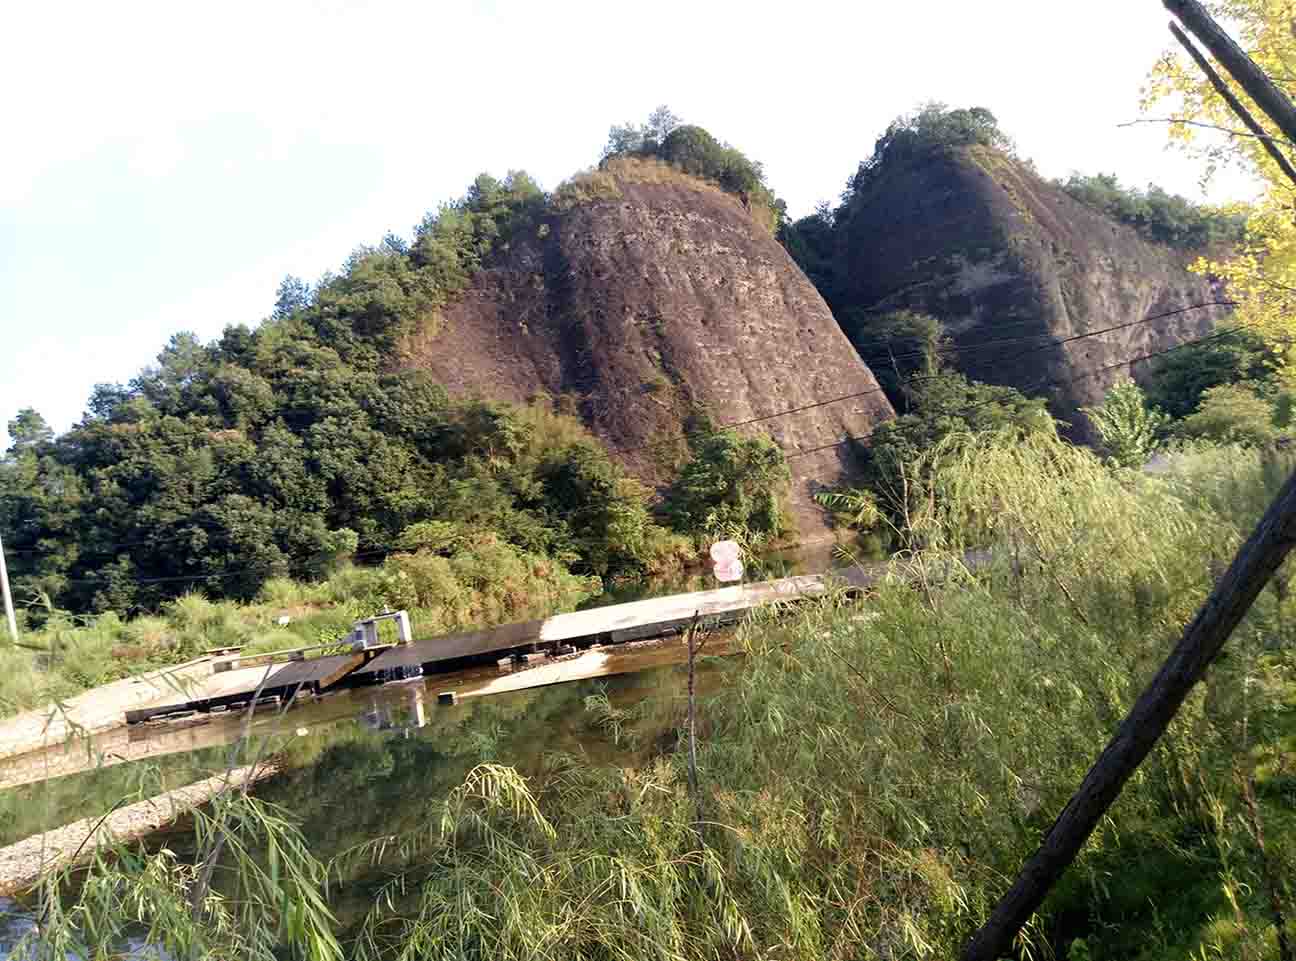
pixel 8 598
pixel 1266 94
pixel 694 787
pixel 1236 105
pixel 1258 558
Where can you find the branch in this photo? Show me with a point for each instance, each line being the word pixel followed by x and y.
pixel 1208 126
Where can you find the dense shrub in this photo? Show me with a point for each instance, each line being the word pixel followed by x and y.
pixel 730 485
pixel 1179 378
pixel 1161 217
pixel 1234 414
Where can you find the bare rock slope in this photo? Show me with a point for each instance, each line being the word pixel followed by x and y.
pixel 651 303
pixel 1014 266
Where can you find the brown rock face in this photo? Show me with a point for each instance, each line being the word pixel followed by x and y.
pixel 652 306
pixel 1013 265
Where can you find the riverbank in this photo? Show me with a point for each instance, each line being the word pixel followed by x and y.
pixel 24 864
pixel 868 776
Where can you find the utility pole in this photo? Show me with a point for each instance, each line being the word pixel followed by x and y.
pixel 1203 639
pixel 1257 559
pixel 8 598
pixel 1276 105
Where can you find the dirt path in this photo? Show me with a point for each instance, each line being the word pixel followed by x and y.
pixel 98 709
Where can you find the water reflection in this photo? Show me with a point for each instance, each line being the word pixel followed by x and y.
pixel 403 715
pixel 541 708
pixel 367 763
pixel 364 763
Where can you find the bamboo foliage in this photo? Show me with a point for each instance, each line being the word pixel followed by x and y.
pixel 271 896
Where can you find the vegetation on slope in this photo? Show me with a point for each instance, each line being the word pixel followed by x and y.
pixel 694 151
pixel 873 771
pixel 815 241
pixel 1227 389
pixel 937 405
pixel 287 449
pixel 1161 217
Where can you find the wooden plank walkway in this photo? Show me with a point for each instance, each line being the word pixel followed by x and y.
pixel 614 624
pixel 23 864
pixel 272 684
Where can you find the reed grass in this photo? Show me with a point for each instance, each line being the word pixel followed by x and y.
pixel 873 771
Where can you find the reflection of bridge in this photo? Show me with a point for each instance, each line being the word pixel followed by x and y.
pixel 126 745
pixel 531 640
pixel 404 717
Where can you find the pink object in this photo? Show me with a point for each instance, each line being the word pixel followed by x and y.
pixel 724 551
pixel 729 571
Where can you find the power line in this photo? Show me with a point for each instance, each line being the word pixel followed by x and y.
pixel 684 435
pixel 382 550
pixel 195 445
pixel 200 444
pixel 1039 386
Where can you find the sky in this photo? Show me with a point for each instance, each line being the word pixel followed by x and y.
pixel 164 166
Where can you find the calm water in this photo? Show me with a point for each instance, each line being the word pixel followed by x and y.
pixel 367 762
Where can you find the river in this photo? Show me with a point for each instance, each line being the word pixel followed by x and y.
pixel 366 762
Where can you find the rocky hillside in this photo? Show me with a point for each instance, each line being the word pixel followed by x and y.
pixel 1011 264
pixel 645 298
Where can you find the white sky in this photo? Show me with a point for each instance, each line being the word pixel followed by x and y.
pixel 163 166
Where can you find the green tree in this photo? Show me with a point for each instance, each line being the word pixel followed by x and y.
pixel 1159 216
pixel 934 126
pixel 946 410
pixel 1128 429
pixel 642 138
pixel 904 349
pixel 279 450
pixel 292 296
pixel 695 151
pixel 811 242
pixel 1233 414
pixel 28 432
pixel 1180 378
pixel 730 484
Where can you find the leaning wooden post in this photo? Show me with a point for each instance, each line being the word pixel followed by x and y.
pixel 1239 109
pixel 1232 597
pixel 694 787
pixel 1266 94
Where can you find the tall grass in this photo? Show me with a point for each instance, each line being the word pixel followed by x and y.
pixel 875 770
pixel 482 583
pixel 268 896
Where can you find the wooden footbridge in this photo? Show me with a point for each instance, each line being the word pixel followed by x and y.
pixel 236 683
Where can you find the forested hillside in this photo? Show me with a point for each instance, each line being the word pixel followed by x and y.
pixel 543 373
pixel 1073 280
pixel 652 298
pixel 324 434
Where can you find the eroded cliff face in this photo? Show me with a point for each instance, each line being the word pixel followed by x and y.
pixel 645 308
pixel 1013 266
